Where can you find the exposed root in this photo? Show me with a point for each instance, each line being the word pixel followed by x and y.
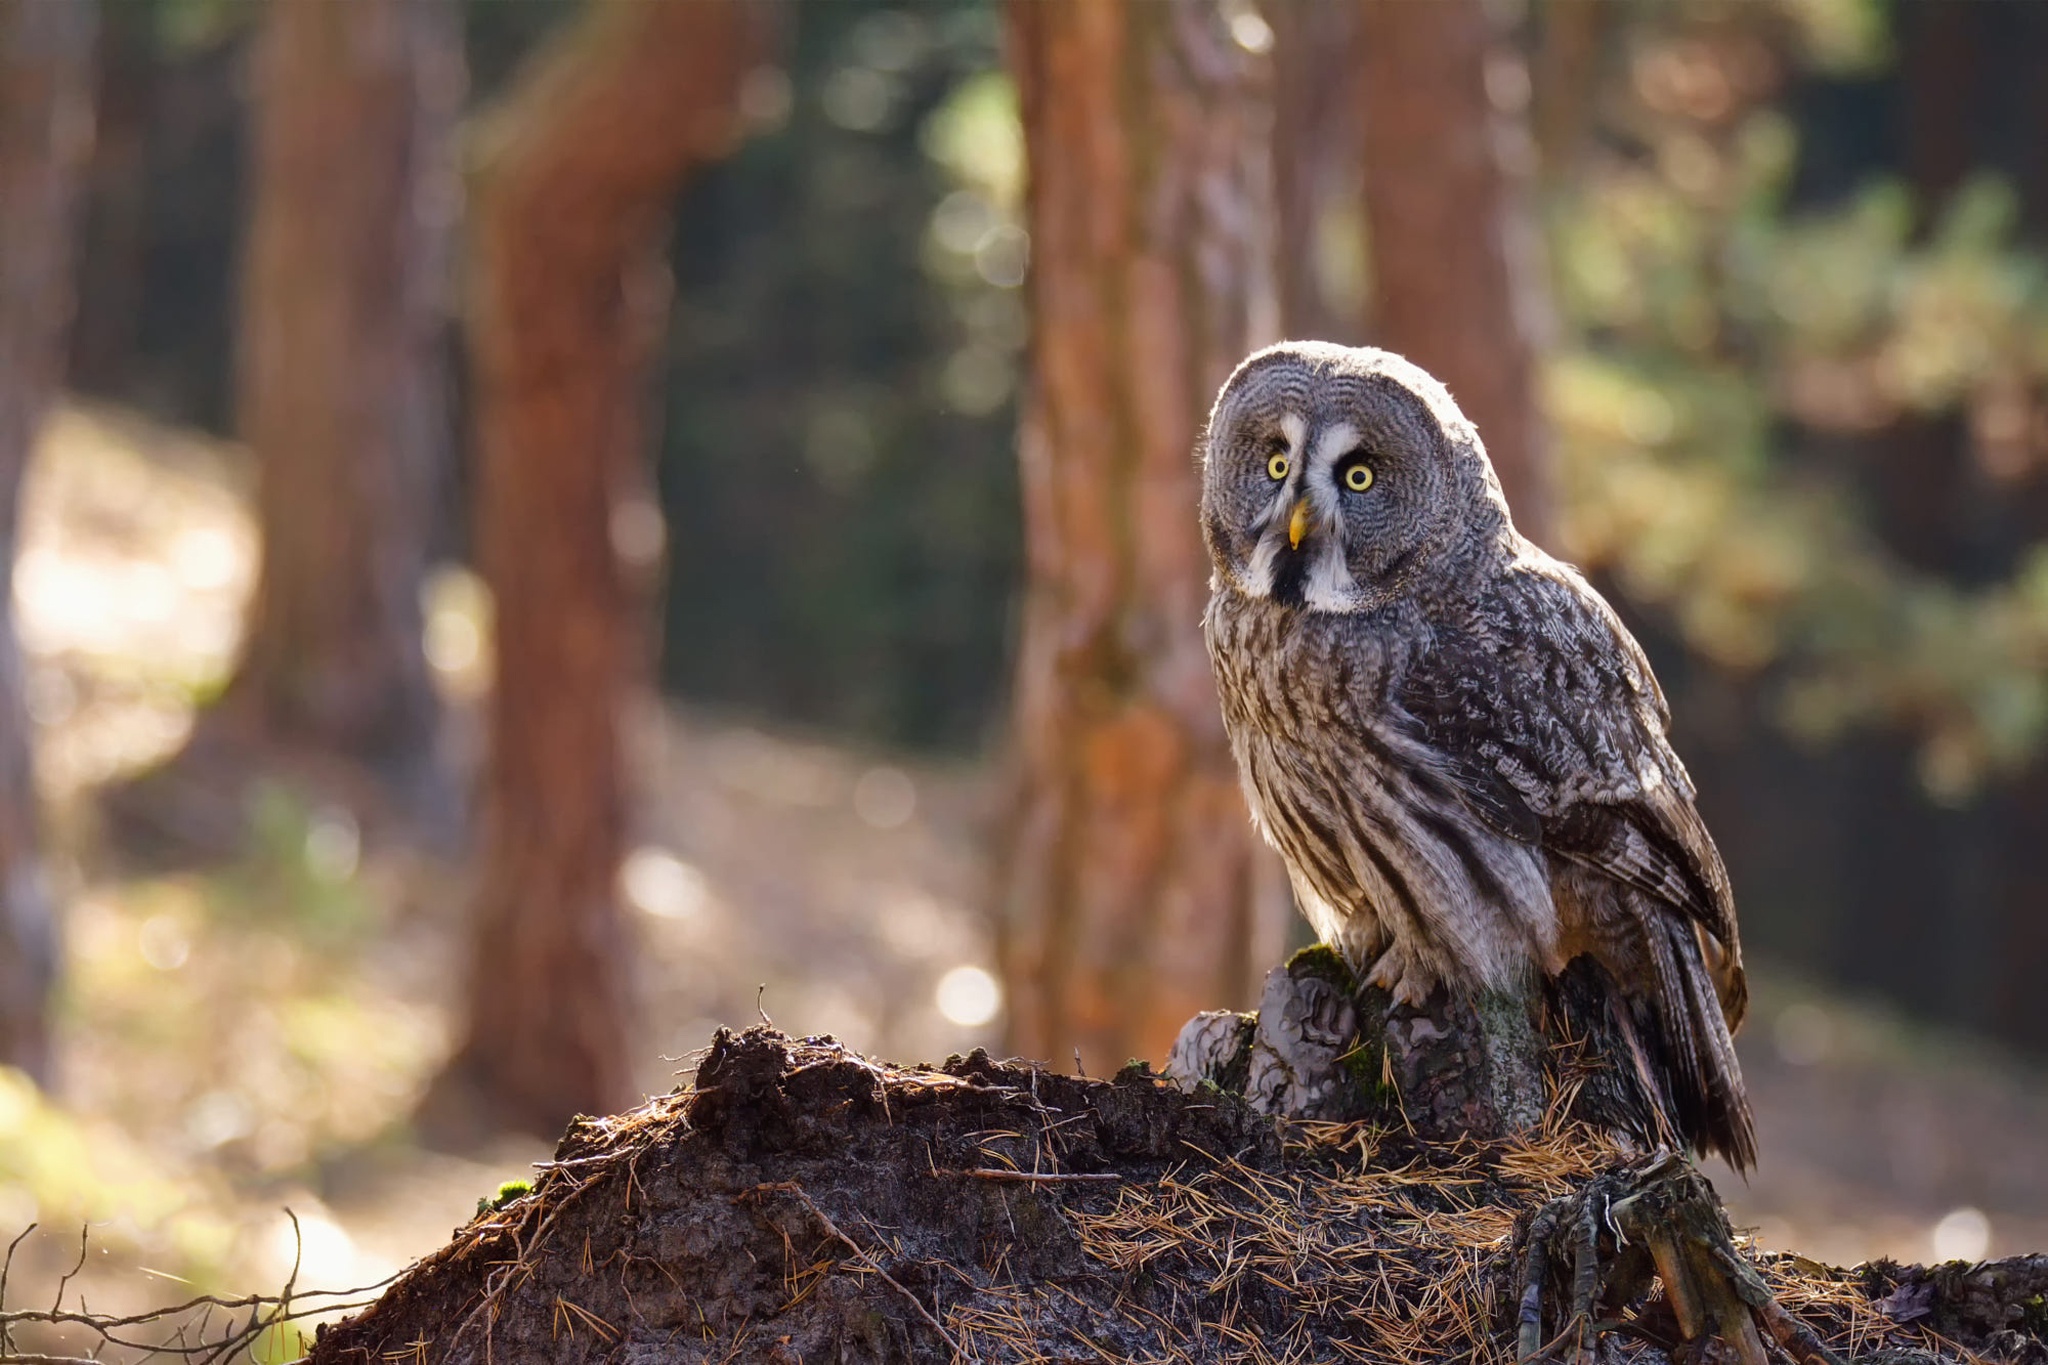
pixel 1655 1219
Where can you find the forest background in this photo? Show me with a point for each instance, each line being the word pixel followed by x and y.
pixel 569 524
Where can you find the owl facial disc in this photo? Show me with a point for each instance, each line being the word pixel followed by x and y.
pixel 1336 478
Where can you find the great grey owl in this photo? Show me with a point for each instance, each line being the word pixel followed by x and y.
pixel 1454 743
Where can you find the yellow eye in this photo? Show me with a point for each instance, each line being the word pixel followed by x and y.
pixel 1358 478
pixel 1277 467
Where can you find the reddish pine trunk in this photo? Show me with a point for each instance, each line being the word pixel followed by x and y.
pixel 1455 283
pixel 569 198
pixel 1132 890
pixel 45 138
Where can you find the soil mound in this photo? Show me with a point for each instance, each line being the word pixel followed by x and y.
pixel 799 1202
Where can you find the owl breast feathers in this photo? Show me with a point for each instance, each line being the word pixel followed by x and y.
pixel 1450 738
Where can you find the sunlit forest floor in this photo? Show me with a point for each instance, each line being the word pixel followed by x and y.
pixel 253 1037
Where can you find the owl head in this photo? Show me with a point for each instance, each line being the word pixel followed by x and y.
pixel 1335 477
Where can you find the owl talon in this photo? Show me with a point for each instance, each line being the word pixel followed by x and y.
pixel 1386 969
pixel 1406 981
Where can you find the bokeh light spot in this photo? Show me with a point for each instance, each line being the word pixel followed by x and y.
pixel 206 558
pixel 457 607
pixel 639 532
pixel 1963 1234
pixel 1804 1034
pixel 885 798
pixel 334 845
pixel 453 642
pixel 164 943
pixel 658 883
pixel 969 996
pixel 318 1246
pixel 1251 32
pixel 1003 255
pixel 859 99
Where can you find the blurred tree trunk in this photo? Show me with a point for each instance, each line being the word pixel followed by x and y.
pixel 343 382
pixel 1131 887
pixel 1456 284
pixel 342 394
pixel 570 194
pixel 113 230
pixel 45 139
pixel 2031 41
pixel 1315 168
pixel 1942 69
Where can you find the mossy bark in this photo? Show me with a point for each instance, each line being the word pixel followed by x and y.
pixel 1321 1046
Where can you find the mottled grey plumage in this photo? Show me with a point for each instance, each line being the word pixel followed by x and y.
pixel 1452 740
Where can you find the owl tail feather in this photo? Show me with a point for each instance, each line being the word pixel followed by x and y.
pixel 1702 1093
pixel 1670 1074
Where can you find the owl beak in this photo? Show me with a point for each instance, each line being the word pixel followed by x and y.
pixel 1297 525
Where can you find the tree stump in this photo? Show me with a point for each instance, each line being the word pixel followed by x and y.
pixel 1323 1047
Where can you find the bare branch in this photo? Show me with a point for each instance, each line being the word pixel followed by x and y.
pixel 181 1331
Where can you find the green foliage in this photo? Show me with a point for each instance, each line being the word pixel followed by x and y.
pixel 222 1027
pixel 1840 36
pixel 63 1172
pixel 183 26
pixel 975 135
pixel 1723 413
pixel 298 872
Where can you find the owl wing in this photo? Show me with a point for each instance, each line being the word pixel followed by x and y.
pixel 1542 714
pixel 1545 717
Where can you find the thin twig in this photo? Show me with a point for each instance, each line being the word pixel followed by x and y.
pixel 1037 1177
pixel 185 1338
pixel 6 1269
pixel 84 1232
